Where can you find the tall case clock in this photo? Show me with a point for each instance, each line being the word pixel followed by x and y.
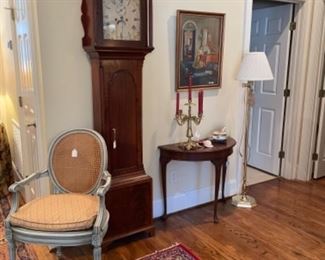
pixel 117 39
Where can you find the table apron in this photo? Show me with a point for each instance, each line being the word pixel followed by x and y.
pixel 196 157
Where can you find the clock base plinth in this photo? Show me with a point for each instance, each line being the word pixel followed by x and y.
pixel 129 202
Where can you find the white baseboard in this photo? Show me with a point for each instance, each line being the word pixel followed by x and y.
pixel 190 199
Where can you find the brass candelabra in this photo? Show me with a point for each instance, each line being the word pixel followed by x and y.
pixel 188 118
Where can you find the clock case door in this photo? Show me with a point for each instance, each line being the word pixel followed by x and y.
pixel 121 111
pixel 117 108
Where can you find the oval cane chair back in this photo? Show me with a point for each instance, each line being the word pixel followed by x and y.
pixel 76 161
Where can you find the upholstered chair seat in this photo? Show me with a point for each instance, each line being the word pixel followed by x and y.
pixel 75 214
pixel 59 212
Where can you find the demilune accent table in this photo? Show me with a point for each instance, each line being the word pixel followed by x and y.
pixel 218 155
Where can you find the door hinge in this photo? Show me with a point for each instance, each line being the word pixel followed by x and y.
pixel 293 26
pixel 20 101
pixel 314 157
pixel 321 93
pixel 286 92
pixel 9 45
pixel 281 154
pixel 12 12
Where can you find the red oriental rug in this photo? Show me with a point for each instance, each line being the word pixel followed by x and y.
pixel 174 252
pixel 24 252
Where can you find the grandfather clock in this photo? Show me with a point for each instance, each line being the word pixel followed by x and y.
pixel 117 38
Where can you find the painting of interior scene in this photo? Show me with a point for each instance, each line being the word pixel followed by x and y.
pixel 199 49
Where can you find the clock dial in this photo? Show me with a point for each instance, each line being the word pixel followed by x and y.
pixel 121 20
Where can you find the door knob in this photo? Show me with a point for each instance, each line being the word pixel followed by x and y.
pixel 33 124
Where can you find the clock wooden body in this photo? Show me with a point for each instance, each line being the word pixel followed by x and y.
pixel 116 65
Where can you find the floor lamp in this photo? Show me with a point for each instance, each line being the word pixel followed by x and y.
pixel 254 67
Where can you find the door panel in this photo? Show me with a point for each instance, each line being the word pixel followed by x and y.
pixel 269 87
pixel 123 131
pixel 265 130
pixel 123 119
pixel 270 33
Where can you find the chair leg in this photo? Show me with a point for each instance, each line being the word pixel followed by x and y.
pixel 97 253
pixel 12 249
pixel 59 252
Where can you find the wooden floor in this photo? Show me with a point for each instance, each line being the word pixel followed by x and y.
pixel 288 223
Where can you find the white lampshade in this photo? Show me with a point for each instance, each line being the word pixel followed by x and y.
pixel 255 67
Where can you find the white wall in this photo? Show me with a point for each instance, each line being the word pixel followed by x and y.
pixel 68 101
pixel 192 182
pixel 65 67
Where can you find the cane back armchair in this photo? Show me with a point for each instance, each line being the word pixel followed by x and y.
pixel 75 214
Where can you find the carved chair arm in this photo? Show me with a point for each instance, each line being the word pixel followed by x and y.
pixel 101 191
pixel 17 186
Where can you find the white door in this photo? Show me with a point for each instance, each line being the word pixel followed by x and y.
pixel 270 33
pixel 26 82
pixel 319 170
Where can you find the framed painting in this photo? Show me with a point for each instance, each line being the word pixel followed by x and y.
pixel 199 49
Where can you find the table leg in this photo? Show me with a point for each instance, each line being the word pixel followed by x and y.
pixel 217 165
pixel 224 171
pixel 163 166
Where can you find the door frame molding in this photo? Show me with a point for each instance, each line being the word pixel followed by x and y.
pixel 301 121
pixel 320 107
pixel 301 107
pixel 39 95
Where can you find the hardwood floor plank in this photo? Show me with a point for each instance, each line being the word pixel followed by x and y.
pixel 288 223
pixel 308 225
pixel 277 234
pixel 301 207
pixel 236 240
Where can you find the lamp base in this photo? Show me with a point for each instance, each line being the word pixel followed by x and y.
pixel 243 201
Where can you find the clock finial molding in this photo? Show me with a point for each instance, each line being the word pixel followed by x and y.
pixel 118 35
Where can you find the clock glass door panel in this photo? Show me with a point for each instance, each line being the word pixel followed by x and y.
pixel 122 20
pixel 123 128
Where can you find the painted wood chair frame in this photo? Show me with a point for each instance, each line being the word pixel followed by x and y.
pixel 93 236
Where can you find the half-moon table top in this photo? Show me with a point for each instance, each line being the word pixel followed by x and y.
pixel 177 152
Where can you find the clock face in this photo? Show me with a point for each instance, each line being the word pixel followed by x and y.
pixel 121 20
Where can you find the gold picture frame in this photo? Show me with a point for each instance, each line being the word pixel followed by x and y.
pixel 199 49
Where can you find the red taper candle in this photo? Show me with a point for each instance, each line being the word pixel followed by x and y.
pixel 177 103
pixel 200 97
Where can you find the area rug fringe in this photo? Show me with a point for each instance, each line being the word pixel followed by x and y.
pixel 24 252
pixel 169 253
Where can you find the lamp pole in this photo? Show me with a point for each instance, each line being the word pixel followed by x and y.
pixel 243 200
pixel 254 67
